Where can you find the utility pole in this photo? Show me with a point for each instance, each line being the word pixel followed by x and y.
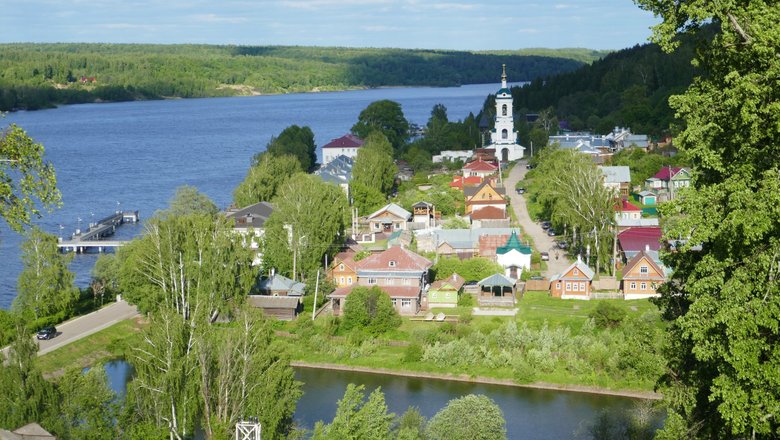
pixel 316 288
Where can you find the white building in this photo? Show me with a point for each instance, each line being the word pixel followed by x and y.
pixel 503 138
pixel 514 257
pixel 346 145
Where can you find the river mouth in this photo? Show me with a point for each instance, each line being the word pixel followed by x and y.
pixel 530 414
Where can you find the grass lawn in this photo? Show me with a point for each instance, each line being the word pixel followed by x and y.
pixel 106 344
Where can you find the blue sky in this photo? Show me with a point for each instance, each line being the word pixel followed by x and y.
pixel 445 24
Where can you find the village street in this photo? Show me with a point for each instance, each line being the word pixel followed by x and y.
pixel 86 325
pixel 542 242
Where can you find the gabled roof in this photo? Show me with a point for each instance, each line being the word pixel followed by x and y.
pixel 253 216
pixel 669 172
pixel 497 279
pixel 636 239
pixel 392 208
pixel 626 206
pixel 639 257
pixel 474 190
pixel 513 244
pixel 452 282
pixel 346 258
pixel 273 302
pixel 488 213
pixel 279 282
pixel 617 174
pixel 405 260
pixel 581 266
pixel 423 205
pixel 647 193
pixel 480 166
pixel 346 141
pixel 460 181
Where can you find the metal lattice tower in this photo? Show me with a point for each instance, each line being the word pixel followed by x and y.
pixel 248 429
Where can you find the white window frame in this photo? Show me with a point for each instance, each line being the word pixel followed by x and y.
pixel 349 281
pixel 632 286
pixel 406 302
pixel 644 270
pixel 575 287
pixel 568 287
pixel 372 281
pixel 643 286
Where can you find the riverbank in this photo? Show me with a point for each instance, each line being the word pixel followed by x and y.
pixel 482 380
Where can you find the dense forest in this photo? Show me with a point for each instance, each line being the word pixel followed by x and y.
pixel 35 76
pixel 628 88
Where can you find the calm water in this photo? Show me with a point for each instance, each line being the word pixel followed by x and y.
pixel 530 414
pixel 134 155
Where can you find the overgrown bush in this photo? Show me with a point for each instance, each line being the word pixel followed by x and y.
pixel 466 300
pixel 371 310
pixel 607 315
pixel 413 353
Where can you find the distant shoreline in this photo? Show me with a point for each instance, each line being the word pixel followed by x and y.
pixel 646 395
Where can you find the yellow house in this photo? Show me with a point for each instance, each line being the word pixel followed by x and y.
pixel 485 195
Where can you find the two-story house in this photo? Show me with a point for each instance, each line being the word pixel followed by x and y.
pixel 668 181
pixel 483 196
pixel 479 168
pixel 642 276
pixel 400 273
pixel 346 145
pixel 574 282
pixel 617 179
pixel 249 222
pixel 343 269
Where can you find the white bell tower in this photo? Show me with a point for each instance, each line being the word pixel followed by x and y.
pixel 503 138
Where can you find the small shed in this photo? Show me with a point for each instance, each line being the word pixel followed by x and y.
pixel 444 293
pixel 647 198
pixel 279 285
pixel 283 308
pixel 496 290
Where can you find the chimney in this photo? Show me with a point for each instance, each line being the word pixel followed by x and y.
pixel 272 272
pixel 647 248
pixel 453 277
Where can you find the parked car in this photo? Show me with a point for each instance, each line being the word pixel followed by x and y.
pixel 546 225
pixel 545 256
pixel 521 190
pixel 529 166
pixel 562 244
pixel 551 232
pixel 47 332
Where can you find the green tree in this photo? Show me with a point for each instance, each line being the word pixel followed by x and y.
pixel 411 425
pixel 357 418
pixel 373 173
pixel 386 117
pixel 297 235
pixel 264 177
pixel 188 200
pixel 192 264
pixel 474 417
pixel 105 276
pixel 723 301
pixel 45 285
pixel 475 268
pixel 296 141
pixel 370 309
pixel 27 181
pixel 87 407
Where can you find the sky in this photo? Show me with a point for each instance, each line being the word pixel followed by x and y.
pixel 434 24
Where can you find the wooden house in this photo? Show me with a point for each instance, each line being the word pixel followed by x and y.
pixel 389 218
pixel 279 285
pixel 479 168
pixel 574 282
pixel 284 308
pixel 444 293
pixel 343 269
pixel 642 276
pixel 483 196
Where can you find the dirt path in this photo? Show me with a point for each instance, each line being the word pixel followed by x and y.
pixel 542 242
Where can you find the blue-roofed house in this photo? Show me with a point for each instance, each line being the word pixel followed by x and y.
pixel 279 285
pixel 338 172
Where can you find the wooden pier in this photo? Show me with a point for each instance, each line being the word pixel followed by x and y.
pixel 94 237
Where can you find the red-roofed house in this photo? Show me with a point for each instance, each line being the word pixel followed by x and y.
pixel 346 145
pixel 489 217
pixel 627 211
pixel 479 168
pixel 489 243
pixel 633 240
pixel 667 181
pixel 460 182
pixel 402 274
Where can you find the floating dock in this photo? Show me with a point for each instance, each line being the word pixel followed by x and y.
pixel 94 237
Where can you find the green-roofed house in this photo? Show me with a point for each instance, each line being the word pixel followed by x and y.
pixel 444 293
pixel 514 256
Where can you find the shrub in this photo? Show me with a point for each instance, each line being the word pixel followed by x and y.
pixel 607 315
pixel 413 353
pixel 370 310
pixel 465 316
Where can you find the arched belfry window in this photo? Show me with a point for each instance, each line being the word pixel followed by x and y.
pixel 503 110
pixel 504 134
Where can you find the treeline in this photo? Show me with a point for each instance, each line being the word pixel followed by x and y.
pixel 628 88
pixel 34 76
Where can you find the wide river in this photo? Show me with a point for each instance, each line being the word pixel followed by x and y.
pixel 133 155
pixel 530 414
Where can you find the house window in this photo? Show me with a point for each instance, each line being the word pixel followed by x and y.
pixel 341 267
pixel 558 285
pixel 643 270
pixel 395 302
pixel 349 281
pixel 376 226
pixel 433 295
pixel 397 226
pixel 582 287
pixel 576 287
pixel 633 286
pixel 372 281
pixel 406 302
pixel 568 287
pixel 391 264
pixel 389 281
pixel 576 272
pixel 341 280
pixel 643 286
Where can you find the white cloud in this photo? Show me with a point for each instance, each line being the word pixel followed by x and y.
pixel 214 18
pixel 324 4
pixel 381 28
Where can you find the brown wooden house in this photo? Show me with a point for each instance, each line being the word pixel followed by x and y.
pixel 642 276
pixel 343 269
pixel 483 196
pixel 573 283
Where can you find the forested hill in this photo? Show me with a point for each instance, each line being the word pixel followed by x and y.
pixel 41 75
pixel 628 88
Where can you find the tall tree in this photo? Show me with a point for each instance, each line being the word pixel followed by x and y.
pixel 386 117
pixel 296 141
pixel 45 285
pixel 474 417
pixel 26 181
pixel 723 301
pixel 264 177
pixel 193 264
pixel 87 406
pixel 357 418
pixel 188 200
pixel 298 235
pixel 370 310
pixel 373 173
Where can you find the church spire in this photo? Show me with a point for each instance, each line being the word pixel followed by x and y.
pixel 503 76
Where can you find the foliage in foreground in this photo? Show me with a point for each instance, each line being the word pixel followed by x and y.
pixel 371 310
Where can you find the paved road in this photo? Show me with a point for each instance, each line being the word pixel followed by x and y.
pixel 86 325
pixel 542 242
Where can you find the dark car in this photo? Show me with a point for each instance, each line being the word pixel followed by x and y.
pixel 551 232
pixel 521 190
pixel 562 244
pixel 47 333
pixel 546 225
pixel 529 166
